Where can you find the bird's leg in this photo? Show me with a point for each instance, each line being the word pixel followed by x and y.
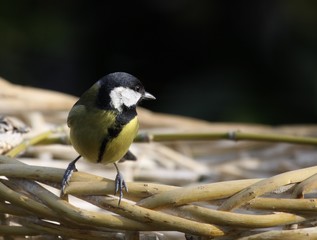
pixel 119 184
pixel 68 173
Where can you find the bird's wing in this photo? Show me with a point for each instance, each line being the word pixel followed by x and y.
pixel 129 156
pixel 77 111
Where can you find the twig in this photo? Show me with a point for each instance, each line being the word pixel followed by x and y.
pixel 223 218
pixel 266 185
pixel 284 205
pixel 27 143
pixel 234 136
pixel 306 233
pixel 17 231
pixel 207 192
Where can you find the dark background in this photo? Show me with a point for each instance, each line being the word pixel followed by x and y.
pixel 228 61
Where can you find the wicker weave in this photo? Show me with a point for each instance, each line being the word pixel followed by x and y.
pixel 230 209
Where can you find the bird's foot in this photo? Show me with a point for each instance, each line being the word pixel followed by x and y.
pixel 119 186
pixel 68 174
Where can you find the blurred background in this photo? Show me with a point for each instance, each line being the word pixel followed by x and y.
pixel 225 61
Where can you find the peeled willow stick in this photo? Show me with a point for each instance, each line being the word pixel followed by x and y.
pixel 223 218
pixel 233 135
pixel 137 190
pixel 31 172
pixel 27 143
pixel 284 205
pixel 305 233
pixel 266 185
pixel 309 184
pixel 40 173
pixel 205 136
pixel 199 193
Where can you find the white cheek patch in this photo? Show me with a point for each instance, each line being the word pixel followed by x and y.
pixel 124 96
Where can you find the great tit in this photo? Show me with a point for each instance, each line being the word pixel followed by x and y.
pixel 103 123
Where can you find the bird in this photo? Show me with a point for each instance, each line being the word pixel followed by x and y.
pixel 103 123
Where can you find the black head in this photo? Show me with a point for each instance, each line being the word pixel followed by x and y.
pixel 120 90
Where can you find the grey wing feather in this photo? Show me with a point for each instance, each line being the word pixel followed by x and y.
pixel 129 156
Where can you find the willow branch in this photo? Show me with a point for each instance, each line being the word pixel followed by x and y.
pixel 27 143
pixel 233 135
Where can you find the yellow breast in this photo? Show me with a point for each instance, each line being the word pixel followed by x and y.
pixel 88 130
pixel 118 147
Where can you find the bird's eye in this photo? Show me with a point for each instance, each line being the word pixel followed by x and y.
pixel 137 88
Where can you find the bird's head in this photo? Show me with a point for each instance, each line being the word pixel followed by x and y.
pixel 118 90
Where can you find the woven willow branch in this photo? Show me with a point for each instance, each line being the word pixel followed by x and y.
pixel 153 207
pixel 267 185
pixel 177 212
pixel 232 135
pixel 49 138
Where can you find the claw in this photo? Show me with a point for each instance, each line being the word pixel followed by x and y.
pixel 119 184
pixel 68 174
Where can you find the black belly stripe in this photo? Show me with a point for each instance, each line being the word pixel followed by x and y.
pixel 112 133
pixel 121 120
pixel 102 149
